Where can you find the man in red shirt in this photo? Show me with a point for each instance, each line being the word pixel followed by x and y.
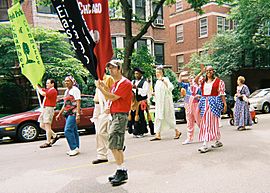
pixel 46 116
pixel 120 97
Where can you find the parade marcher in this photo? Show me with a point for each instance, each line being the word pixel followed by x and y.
pixel 211 105
pixel 120 101
pixel 137 123
pixel 71 111
pixel 164 109
pixel 192 96
pixel 242 116
pixel 101 119
pixel 46 116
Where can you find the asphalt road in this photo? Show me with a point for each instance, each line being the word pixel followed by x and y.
pixel 166 166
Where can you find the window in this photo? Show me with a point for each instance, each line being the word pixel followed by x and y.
pixel 114 45
pixel 112 11
pixel 203 27
pixel 180 62
pixel 46 9
pixel 3 10
pixel 179 33
pixel 159 20
pixel 178 5
pixel 223 24
pixel 141 43
pixel 159 53
pixel 140 9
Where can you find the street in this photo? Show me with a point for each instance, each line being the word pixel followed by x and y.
pixel 242 165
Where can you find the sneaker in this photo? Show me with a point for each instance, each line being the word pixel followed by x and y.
pixel 203 149
pixel 55 139
pixel 217 144
pixel 113 176
pixel 187 141
pixel 120 177
pixel 45 145
pixel 73 152
pixel 140 136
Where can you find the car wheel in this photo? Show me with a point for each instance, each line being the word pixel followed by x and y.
pixel 28 132
pixel 266 108
pixel 90 130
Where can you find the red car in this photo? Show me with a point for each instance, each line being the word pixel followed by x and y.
pixel 25 127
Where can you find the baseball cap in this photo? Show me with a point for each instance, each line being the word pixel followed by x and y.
pixel 115 63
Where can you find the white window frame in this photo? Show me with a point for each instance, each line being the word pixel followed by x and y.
pixel 203 27
pixel 178 5
pixel 179 30
pixel 223 24
pixel 180 64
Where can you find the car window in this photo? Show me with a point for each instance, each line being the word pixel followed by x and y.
pixel 59 104
pixel 87 102
pixel 259 93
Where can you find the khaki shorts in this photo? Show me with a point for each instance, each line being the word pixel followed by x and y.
pixel 46 115
pixel 117 131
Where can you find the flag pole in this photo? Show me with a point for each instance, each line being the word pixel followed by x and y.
pixel 39 100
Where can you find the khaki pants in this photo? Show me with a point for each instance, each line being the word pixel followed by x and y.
pixel 102 128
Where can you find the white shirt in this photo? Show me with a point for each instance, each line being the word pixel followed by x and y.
pixel 144 90
pixel 75 92
pixel 208 88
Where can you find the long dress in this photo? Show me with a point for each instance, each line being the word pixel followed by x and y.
pixel 211 107
pixel 241 112
pixel 164 110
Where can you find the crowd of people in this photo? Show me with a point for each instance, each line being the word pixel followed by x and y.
pixel 121 104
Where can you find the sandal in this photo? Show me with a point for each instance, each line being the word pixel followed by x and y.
pixel 155 139
pixel 178 136
pixel 45 145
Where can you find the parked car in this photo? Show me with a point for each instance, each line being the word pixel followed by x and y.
pixel 260 100
pixel 25 127
pixel 179 110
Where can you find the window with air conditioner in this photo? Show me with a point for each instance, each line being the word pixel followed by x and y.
pixel 203 27
pixel 178 5
pixel 159 20
pixel 179 33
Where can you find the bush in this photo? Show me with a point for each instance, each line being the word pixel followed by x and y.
pixel 12 98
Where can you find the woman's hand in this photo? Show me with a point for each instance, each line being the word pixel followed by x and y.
pixel 78 118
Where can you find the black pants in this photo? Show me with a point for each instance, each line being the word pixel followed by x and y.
pixel 137 127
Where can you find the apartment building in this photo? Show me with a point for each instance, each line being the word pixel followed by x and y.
pixel 188 30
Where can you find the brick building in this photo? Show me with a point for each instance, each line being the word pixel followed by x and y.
pixel 188 30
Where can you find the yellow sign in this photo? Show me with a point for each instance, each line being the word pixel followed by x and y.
pixel 29 58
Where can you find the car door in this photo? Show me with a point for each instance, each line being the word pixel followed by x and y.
pixel 87 108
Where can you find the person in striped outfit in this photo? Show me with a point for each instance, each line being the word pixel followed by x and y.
pixel 192 96
pixel 211 105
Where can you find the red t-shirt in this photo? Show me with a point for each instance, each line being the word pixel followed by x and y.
pixel 51 97
pixel 124 90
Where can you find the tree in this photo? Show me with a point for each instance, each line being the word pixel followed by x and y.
pixel 131 39
pixel 247 45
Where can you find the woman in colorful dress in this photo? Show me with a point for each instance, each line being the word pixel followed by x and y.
pixel 211 105
pixel 242 116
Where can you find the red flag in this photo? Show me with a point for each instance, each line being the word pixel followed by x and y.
pixel 96 16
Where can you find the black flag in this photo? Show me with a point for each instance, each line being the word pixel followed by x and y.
pixel 76 30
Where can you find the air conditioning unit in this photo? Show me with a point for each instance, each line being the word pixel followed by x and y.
pixel 159 22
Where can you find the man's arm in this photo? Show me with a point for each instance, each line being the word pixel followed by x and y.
pixel 110 96
pixel 78 118
pixel 41 91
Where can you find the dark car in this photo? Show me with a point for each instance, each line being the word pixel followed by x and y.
pixel 179 110
pixel 25 127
